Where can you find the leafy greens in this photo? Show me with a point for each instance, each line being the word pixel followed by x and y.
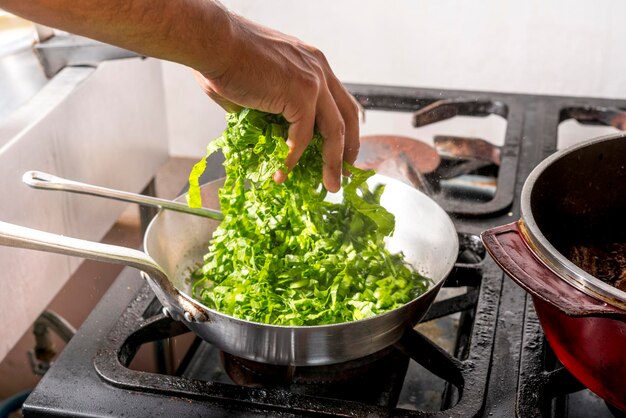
pixel 282 254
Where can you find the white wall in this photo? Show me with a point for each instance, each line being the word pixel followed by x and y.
pixel 570 47
pixel 104 126
pixel 559 47
pixel 193 120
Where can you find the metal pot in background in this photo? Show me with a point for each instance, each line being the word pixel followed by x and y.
pixel 575 202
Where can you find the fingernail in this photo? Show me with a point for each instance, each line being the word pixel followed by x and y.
pixel 280 176
pixel 333 187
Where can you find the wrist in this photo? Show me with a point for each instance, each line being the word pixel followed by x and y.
pixel 217 49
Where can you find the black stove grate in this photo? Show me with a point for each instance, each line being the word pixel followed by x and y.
pixel 498 365
pixel 466 375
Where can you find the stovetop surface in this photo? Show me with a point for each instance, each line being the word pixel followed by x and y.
pixel 498 366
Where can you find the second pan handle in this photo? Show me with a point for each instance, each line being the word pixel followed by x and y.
pixel 41 180
pixel 178 305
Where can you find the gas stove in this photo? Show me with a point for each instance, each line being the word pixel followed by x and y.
pixel 479 351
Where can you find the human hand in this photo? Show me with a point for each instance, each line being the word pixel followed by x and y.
pixel 276 73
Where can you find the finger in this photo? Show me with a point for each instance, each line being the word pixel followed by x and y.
pixel 350 113
pixel 225 104
pixel 332 127
pixel 300 135
pixel 349 108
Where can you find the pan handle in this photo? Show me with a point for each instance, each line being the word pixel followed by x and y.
pixel 508 248
pixel 174 301
pixel 41 180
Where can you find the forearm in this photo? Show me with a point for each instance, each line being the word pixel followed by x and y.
pixel 239 63
pixel 192 32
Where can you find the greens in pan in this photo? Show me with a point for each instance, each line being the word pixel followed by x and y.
pixel 284 256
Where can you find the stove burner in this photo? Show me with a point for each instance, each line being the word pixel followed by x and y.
pixel 467 196
pixel 372 384
pixel 375 379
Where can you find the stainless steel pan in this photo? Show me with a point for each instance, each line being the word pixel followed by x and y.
pixel 176 242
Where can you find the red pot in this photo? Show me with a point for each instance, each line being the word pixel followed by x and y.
pixel 576 196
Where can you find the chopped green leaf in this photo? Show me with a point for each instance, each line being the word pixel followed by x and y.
pixel 283 255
